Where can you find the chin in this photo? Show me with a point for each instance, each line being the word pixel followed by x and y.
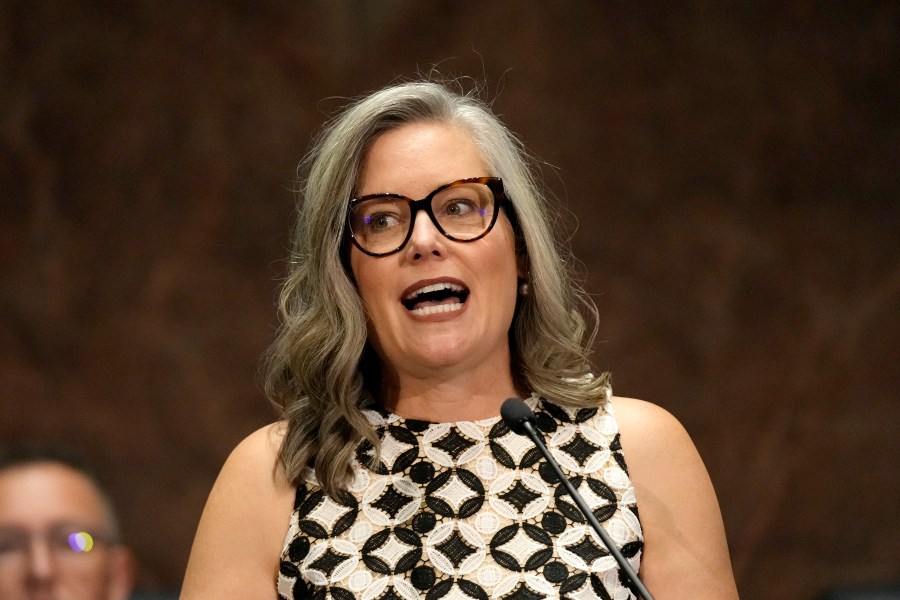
pixel 440 355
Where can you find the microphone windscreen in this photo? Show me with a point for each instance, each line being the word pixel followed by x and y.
pixel 515 414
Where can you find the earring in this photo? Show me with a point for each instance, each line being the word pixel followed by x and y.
pixel 523 288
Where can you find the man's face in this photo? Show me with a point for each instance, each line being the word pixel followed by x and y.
pixel 45 511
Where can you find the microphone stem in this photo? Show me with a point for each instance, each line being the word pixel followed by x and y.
pixel 588 514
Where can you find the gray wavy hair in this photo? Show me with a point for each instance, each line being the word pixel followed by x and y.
pixel 319 371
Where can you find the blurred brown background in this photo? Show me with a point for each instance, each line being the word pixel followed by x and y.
pixel 732 170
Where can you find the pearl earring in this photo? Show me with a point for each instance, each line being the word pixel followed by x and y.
pixel 523 289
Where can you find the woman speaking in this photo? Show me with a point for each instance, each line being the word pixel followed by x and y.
pixel 425 288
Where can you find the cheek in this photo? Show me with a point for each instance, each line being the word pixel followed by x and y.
pixel 505 263
pixel 369 284
pixel 354 260
pixel 88 584
pixel 364 276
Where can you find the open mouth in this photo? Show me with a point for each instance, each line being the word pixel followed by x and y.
pixel 436 298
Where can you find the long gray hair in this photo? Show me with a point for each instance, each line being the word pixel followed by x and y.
pixel 316 368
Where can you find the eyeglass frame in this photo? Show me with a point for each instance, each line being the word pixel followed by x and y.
pixel 52 537
pixel 494 184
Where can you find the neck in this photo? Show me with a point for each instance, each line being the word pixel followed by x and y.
pixel 441 399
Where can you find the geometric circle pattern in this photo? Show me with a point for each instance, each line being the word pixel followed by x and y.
pixel 468 510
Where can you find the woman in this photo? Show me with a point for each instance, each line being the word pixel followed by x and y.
pixel 426 288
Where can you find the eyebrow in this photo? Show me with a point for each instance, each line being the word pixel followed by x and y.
pixel 97 529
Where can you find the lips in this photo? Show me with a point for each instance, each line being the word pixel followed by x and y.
pixel 428 298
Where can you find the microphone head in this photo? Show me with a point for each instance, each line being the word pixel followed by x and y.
pixel 515 414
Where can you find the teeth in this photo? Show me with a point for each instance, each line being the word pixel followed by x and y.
pixel 440 308
pixel 434 288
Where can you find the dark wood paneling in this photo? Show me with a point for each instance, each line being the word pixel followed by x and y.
pixel 732 172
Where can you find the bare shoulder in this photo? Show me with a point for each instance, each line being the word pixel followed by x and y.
pixel 657 448
pixel 253 474
pixel 237 548
pixel 685 552
pixel 257 456
pixel 648 429
pixel 661 457
pixel 631 411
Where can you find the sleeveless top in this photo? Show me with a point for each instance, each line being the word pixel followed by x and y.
pixel 469 510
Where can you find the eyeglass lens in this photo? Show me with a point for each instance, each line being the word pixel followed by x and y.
pixel 62 541
pixel 462 211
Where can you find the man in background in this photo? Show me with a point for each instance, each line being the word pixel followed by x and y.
pixel 58 531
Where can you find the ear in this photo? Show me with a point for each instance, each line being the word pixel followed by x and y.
pixel 121 573
pixel 522 265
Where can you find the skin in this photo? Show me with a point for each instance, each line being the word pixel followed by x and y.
pixel 448 366
pixel 685 552
pixel 38 497
pixel 452 367
pixel 237 548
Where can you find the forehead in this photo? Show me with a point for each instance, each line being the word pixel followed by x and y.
pixel 37 495
pixel 416 158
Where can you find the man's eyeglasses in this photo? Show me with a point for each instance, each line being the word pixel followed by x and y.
pixel 464 211
pixel 64 542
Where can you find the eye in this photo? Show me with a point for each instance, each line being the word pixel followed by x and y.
pixel 463 203
pixel 11 542
pixel 459 207
pixel 375 216
pixel 380 221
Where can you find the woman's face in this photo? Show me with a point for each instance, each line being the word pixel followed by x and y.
pixel 469 334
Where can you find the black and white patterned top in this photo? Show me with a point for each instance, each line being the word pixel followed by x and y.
pixel 469 510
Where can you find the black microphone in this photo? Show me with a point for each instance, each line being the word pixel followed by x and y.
pixel 520 418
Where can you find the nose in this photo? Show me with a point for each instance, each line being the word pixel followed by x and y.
pixel 40 563
pixel 425 239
